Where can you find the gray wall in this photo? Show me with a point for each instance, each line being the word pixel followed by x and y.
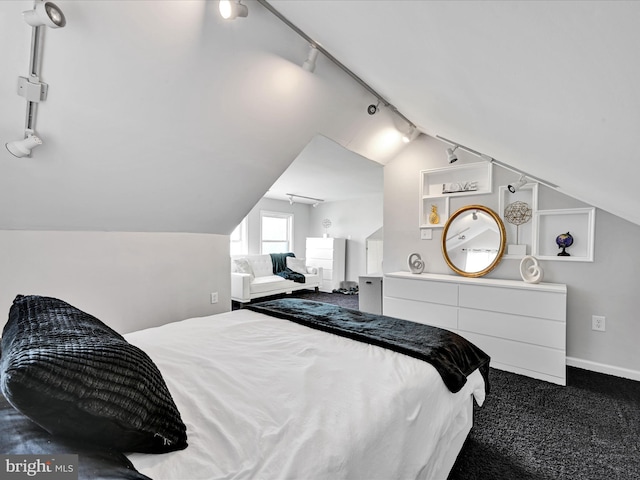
pixel 128 280
pixel 608 286
pixel 354 220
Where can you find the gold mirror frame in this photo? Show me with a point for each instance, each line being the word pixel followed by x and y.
pixel 503 240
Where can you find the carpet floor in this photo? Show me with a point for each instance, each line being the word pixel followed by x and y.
pixel 346 301
pixel 529 429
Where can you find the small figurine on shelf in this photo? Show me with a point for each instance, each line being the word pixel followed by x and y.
pixel 564 241
pixel 434 218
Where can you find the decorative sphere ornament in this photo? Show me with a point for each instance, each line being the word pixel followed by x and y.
pixel 564 241
pixel 416 265
pixel 530 270
pixel 517 213
pixel 326 223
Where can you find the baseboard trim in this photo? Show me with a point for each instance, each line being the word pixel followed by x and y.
pixel 603 368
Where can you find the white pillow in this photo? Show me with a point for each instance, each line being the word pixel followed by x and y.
pixel 242 265
pixel 297 265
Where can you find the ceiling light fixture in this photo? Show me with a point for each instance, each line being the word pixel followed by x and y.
pixel 451 156
pixel 310 63
pixel 45 13
pixel 411 134
pixel 514 187
pixel 232 9
pixel 293 196
pixel 31 88
pixel 22 148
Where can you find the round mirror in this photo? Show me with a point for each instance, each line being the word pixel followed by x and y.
pixel 473 241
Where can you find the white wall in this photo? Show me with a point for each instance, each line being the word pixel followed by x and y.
pixel 608 286
pixel 166 119
pixel 163 119
pixel 354 220
pixel 128 280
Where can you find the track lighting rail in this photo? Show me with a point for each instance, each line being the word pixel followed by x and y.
pixel 506 166
pixel 337 62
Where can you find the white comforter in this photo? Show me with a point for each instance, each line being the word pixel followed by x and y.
pixel 265 398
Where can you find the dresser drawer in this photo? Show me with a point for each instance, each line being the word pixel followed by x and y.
pixel 537 331
pixel 421 290
pixel 326 253
pixel 320 262
pixel 516 301
pixel 443 316
pixel 534 358
pixel 317 242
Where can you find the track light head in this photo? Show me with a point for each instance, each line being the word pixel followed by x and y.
pixel 410 135
pixel 22 148
pixel 373 109
pixel 232 9
pixel 514 187
pixel 47 14
pixel 451 156
pixel 310 63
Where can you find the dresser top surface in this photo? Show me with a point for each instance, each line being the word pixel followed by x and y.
pixel 488 282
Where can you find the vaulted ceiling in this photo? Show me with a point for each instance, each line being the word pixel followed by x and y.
pixel 161 116
pixel 548 87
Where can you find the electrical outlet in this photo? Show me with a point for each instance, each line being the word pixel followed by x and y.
pixel 214 297
pixel 598 323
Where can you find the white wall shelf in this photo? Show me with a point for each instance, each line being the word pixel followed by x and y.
pixel 461 180
pixel 441 203
pixel 480 173
pixel 524 234
pixel 579 222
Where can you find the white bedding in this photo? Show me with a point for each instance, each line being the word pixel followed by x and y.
pixel 265 398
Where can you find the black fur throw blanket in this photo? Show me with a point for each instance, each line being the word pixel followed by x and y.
pixel 280 268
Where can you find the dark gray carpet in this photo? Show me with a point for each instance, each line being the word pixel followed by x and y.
pixel 530 429
pixel 346 301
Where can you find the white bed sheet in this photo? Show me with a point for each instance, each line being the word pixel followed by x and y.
pixel 264 398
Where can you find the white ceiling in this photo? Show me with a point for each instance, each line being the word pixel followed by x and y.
pixel 155 118
pixel 548 87
pixel 327 171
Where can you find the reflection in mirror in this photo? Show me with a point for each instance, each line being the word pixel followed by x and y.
pixel 473 241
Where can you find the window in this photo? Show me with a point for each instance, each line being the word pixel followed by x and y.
pixel 239 244
pixel 276 232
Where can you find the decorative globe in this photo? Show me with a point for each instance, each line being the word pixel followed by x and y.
pixel 564 240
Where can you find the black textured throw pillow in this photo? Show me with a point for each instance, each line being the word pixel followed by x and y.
pixel 76 377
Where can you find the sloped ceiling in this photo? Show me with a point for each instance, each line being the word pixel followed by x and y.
pixel 163 117
pixel 548 87
pixel 329 172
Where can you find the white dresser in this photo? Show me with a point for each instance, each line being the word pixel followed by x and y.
pixel 521 326
pixel 330 254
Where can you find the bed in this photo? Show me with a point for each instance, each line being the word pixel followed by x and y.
pixel 270 393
